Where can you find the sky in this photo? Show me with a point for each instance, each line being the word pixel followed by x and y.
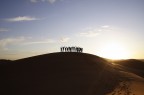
pixel 107 28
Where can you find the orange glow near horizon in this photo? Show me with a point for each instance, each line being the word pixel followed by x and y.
pixel 114 51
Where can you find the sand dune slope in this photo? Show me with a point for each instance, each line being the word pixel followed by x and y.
pixel 133 86
pixel 67 74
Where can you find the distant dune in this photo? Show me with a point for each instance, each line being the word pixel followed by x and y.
pixel 67 74
pixel 132 65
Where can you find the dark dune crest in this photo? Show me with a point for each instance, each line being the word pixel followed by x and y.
pixel 66 73
pixel 4 61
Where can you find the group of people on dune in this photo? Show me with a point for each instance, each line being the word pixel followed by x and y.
pixel 71 49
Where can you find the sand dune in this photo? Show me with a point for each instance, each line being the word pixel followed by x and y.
pixel 67 74
pixel 131 65
pixel 135 86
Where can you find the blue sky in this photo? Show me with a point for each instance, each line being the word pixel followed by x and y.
pixel 33 27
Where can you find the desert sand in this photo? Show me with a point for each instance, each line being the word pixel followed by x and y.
pixel 68 74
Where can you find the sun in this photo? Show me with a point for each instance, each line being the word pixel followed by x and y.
pixel 114 51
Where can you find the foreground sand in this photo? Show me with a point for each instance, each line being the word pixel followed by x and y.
pixel 135 86
pixel 68 74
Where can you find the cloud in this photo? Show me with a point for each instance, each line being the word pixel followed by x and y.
pixel 50 1
pixel 11 41
pixel 105 26
pixel 94 31
pixel 46 41
pixel 21 18
pixel 3 30
pixel 89 32
pixel 64 39
pixel 33 1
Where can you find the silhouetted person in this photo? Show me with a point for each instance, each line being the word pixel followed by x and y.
pixel 70 49
pixel 77 49
pixel 81 50
pixel 67 49
pixel 62 49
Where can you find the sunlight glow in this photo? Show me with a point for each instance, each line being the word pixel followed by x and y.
pixel 114 51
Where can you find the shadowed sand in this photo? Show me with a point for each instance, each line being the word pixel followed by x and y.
pixel 67 74
pixel 135 86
